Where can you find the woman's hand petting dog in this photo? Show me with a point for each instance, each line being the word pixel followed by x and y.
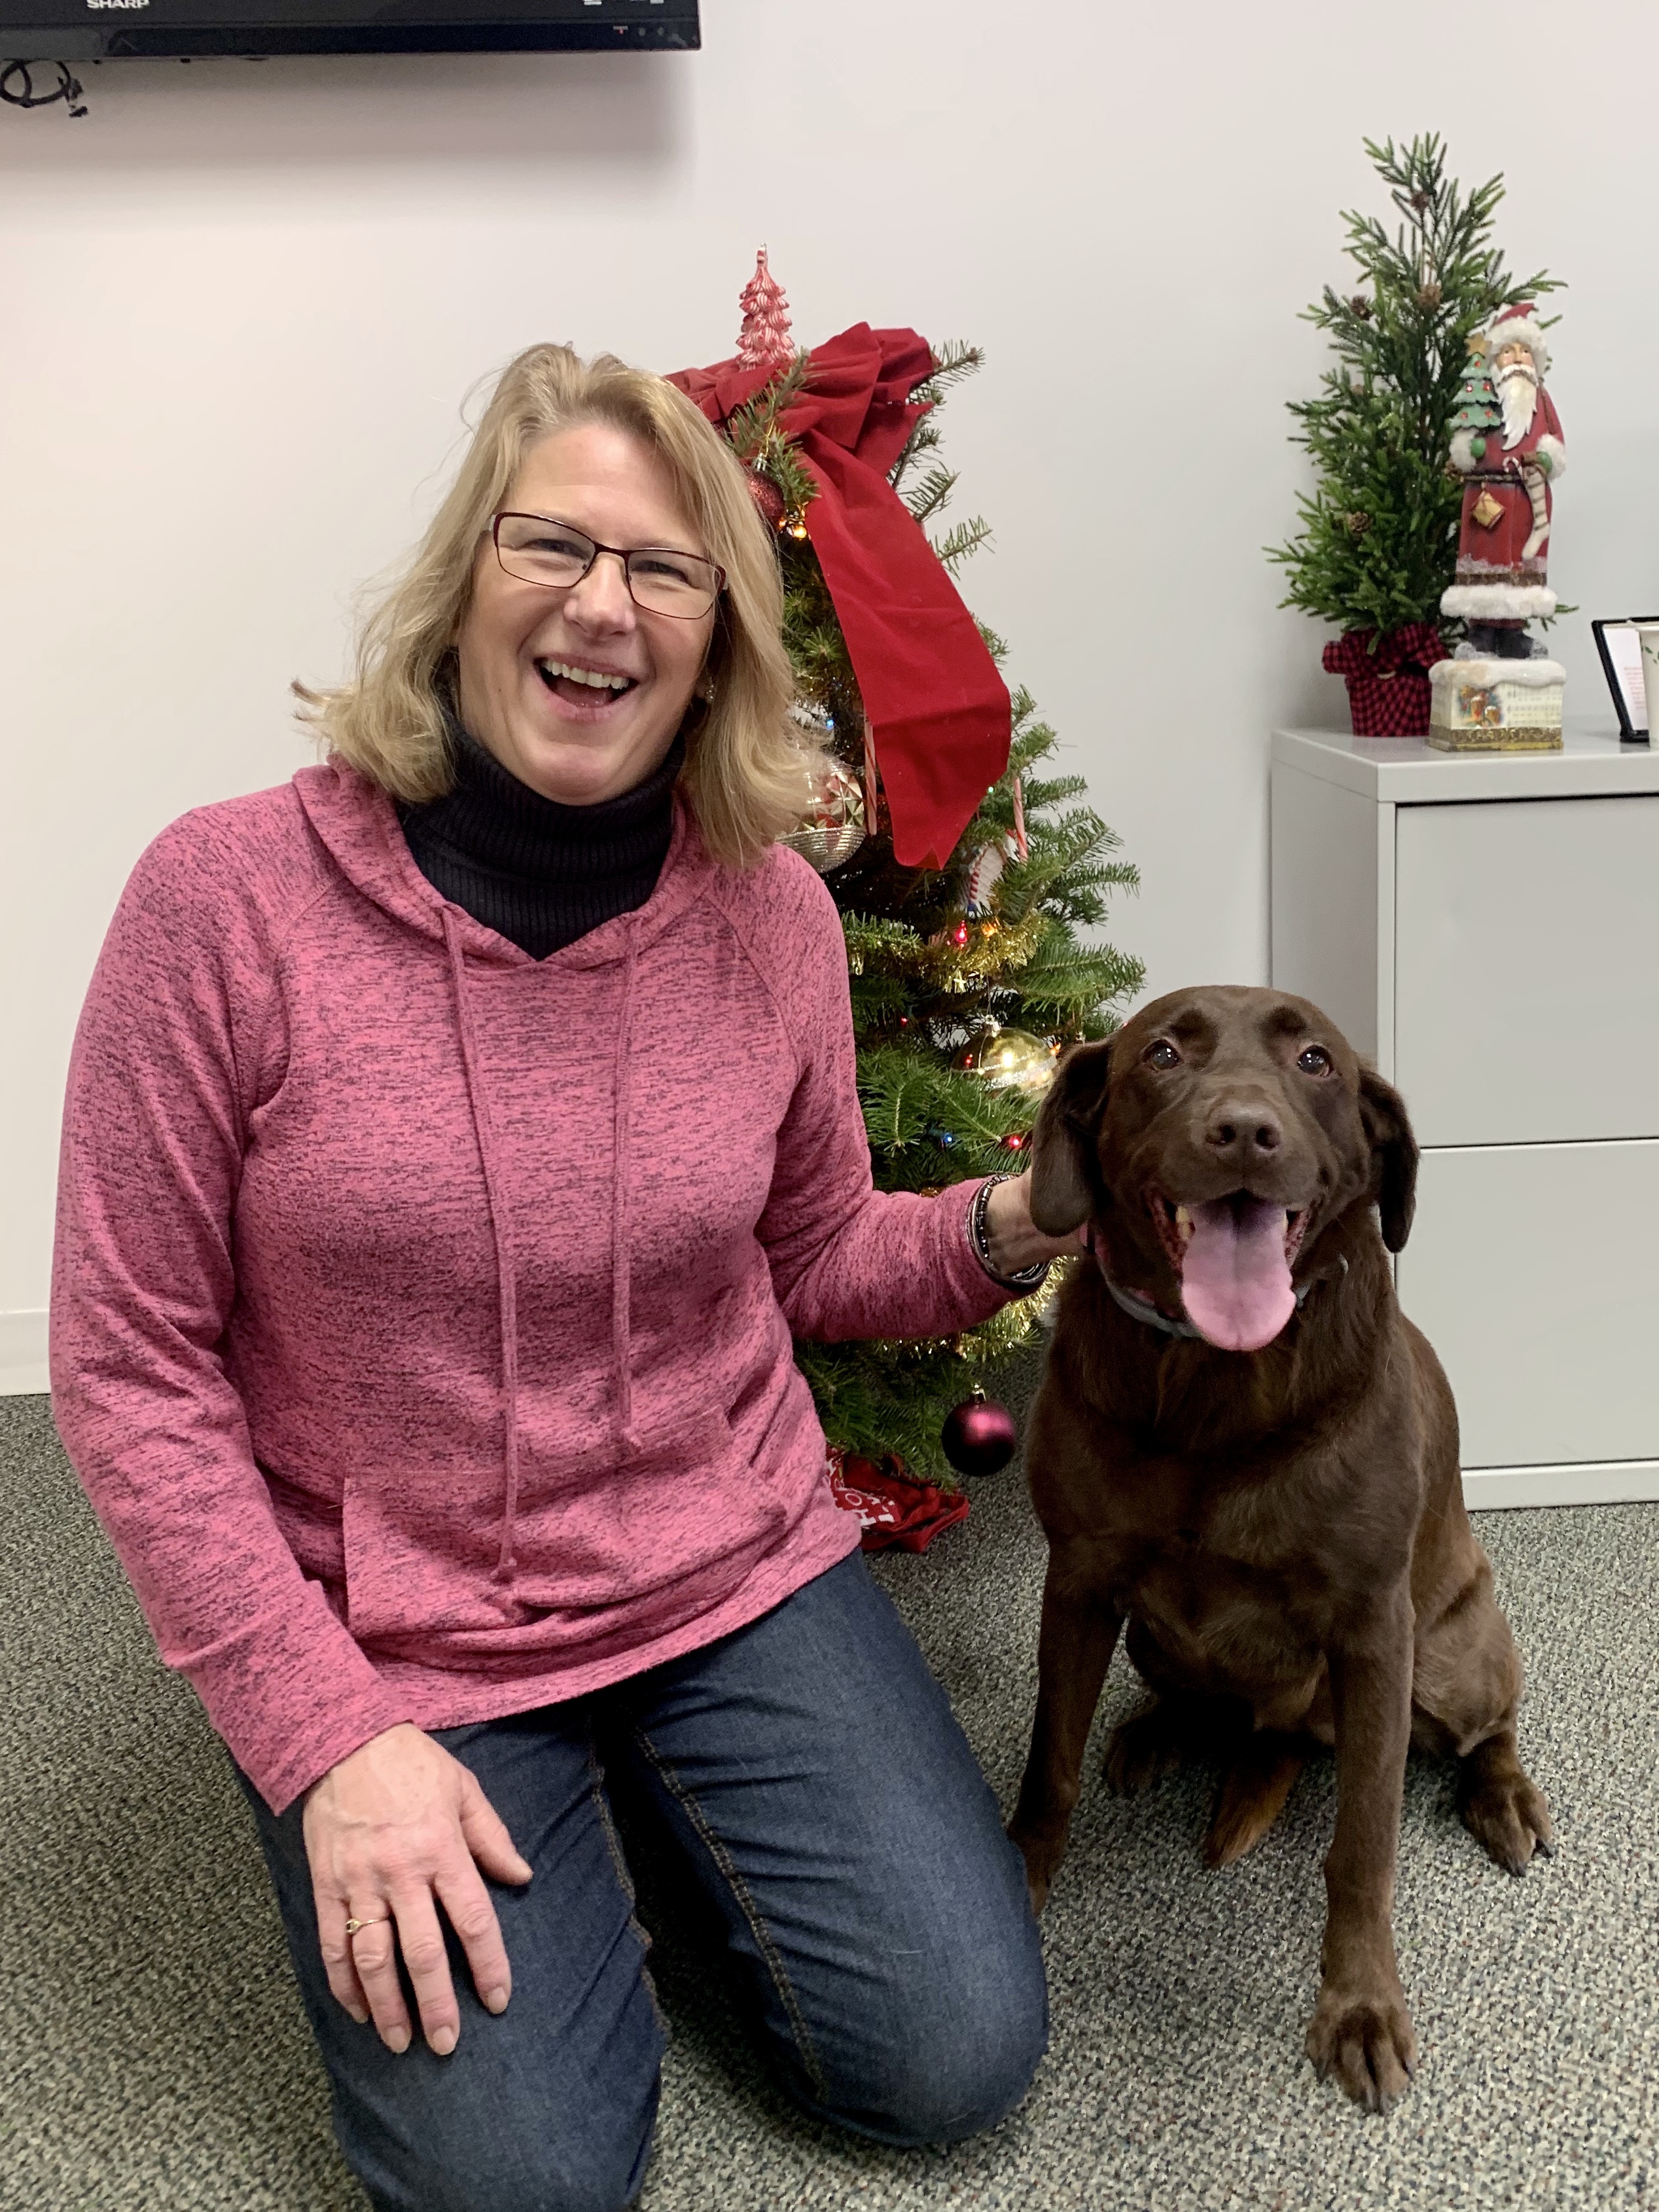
pixel 392 1832
pixel 1016 1241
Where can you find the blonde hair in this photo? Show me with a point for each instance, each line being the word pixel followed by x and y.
pixel 744 774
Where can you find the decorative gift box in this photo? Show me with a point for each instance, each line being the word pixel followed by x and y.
pixel 1496 706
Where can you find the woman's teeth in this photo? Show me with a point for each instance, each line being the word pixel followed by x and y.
pixel 552 670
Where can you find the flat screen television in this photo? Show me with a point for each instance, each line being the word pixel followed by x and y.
pixel 99 30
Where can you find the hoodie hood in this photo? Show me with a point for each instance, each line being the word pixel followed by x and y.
pixel 358 824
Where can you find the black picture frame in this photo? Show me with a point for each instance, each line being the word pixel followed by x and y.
pixel 1616 666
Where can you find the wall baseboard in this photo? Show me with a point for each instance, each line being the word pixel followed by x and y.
pixel 1609 1482
pixel 23 1353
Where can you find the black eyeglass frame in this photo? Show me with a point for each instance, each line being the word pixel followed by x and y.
pixel 625 554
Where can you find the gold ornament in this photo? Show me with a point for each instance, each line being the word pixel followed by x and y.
pixel 832 828
pixel 1013 1060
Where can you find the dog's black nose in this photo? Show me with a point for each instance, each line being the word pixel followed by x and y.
pixel 1241 1126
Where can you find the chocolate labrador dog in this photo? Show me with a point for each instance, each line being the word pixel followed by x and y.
pixel 1242 1448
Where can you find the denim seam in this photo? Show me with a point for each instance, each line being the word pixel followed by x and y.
pixel 613 1844
pixel 758 1928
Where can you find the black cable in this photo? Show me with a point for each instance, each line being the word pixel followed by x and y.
pixel 68 88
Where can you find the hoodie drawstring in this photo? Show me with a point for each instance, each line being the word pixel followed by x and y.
pixel 621 1286
pixel 507 1283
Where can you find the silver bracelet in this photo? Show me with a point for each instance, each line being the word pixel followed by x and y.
pixel 979 1236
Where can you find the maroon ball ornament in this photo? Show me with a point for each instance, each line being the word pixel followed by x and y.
pixel 767 497
pixel 979 1435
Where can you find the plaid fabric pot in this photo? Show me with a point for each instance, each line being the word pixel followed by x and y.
pixel 1388 683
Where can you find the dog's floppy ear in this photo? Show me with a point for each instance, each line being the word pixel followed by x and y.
pixel 1064 1177
pixel 1393 1153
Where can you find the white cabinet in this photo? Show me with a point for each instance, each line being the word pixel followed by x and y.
pixel 1486 929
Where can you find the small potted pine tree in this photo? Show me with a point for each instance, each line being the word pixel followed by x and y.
pixel 1378 541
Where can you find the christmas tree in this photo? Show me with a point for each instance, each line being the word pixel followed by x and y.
pixel 967 977
pixel 1378 542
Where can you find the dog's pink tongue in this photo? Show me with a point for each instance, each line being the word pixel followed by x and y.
pixel 1236 1281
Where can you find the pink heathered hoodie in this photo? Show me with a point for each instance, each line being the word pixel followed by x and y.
pixel 421 1311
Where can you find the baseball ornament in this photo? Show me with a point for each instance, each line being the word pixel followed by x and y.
pixel 983 869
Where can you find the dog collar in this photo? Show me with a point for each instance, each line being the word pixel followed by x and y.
pixel 1139 1308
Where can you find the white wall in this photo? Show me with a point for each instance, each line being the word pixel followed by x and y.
pixel 242 304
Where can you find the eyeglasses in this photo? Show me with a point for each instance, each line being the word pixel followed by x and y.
pixel 537 550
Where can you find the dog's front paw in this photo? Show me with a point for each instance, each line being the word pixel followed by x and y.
pixel 1043 1852
pixel 1366 2041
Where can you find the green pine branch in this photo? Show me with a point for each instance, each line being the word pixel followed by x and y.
pixel 913 1099
pixel 952 361
pixel 752 426
pixel 958 545
pixel 933 494
pixel 924 439
pixel 878 1398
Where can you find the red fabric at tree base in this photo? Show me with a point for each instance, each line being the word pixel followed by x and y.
pixel 896 1513
pixel 939 711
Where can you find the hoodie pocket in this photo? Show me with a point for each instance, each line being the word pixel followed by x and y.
pixel 667 1534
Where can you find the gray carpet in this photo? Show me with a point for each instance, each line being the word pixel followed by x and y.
pixel 155 2057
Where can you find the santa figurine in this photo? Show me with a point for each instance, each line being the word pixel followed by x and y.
pixel 1499 691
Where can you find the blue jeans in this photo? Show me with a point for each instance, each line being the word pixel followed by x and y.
pixel 811 1772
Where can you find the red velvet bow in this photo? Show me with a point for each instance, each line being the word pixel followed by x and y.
pixel 938 710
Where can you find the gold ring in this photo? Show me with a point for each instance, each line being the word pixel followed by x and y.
pixel 352 1926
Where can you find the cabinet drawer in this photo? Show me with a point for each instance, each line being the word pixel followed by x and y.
pixel 1530 1270
pixel 1526 969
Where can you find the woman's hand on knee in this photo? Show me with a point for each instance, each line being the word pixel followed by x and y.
pixel 393 1832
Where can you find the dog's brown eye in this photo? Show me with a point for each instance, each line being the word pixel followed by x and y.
pixel 1316 1060
pixel 1162 1055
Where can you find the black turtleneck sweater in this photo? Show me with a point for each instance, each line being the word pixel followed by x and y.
pixel 538 874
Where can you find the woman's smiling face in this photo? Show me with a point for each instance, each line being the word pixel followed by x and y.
pixel 523 649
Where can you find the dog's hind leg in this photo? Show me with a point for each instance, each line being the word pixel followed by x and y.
pixel 1150 1744
pixel 1466 1690
pixel 1259 1777
pixel 1500 1805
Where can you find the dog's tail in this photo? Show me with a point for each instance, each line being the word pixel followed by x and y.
pixel 1253 1793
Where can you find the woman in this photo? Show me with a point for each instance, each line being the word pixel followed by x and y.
pixel 454 1138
